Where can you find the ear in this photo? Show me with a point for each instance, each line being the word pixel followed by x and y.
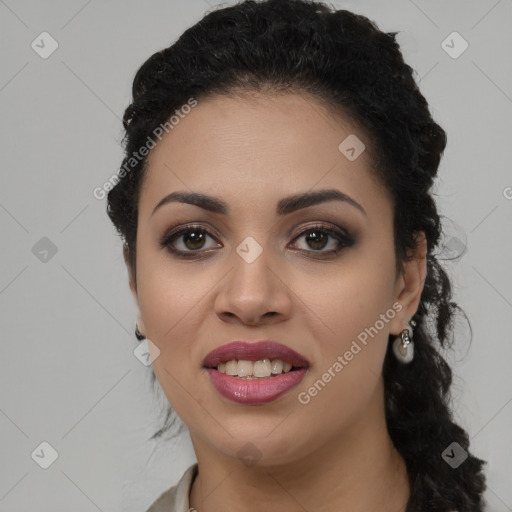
pixel 133 286
pixel 131 271
pixel 409 285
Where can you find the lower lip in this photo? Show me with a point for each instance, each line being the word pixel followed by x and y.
pixel 255 391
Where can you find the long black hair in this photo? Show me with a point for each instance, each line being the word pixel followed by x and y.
pixel 345 61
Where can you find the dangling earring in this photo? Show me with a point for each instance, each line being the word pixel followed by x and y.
pixel 403 346
pixel 138 334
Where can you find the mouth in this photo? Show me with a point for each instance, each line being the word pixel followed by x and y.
pixel 261 359
pixel 256 372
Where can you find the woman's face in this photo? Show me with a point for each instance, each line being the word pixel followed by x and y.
pixel 264 268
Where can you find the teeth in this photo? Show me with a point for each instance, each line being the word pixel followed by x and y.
pixel 245 368
pixel 261 368
pixel 258 369
pixel 277 366
pixel 231 368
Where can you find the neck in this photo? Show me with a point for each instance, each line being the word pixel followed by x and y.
pixel 358 470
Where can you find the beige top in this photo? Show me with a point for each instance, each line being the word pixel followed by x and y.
pixel 176 499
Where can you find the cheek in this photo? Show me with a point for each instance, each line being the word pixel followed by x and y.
pixel 168 295
pixel 348 313
pixel 172 305
pixel 344 300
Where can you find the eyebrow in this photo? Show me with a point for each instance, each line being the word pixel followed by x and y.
pixel 284 206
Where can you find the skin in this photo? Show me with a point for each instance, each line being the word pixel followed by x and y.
pixel 251 151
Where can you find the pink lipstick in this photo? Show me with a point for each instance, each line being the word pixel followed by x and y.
pixel 233 368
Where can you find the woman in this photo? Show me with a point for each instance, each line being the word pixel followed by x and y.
pixel 279 233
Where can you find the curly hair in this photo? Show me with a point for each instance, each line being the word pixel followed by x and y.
pixel 347 63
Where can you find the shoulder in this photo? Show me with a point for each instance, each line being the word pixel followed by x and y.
pixel 176 498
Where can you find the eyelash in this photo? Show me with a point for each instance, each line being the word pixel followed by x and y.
pixel 342 236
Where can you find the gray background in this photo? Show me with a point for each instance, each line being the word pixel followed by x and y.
pixel 68 373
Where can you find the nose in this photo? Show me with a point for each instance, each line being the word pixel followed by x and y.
pixel 254 292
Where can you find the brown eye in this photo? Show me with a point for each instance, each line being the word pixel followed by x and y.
pixel 191 239
pixel 319 237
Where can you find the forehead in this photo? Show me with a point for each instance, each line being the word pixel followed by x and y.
pixel 258 146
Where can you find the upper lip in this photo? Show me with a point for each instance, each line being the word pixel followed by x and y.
pixel 253 351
